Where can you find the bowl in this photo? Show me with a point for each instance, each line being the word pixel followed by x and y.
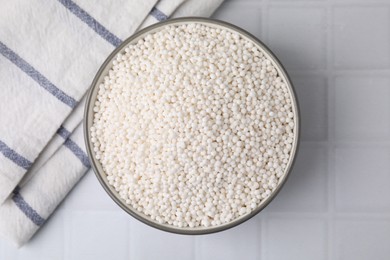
pixel 88 120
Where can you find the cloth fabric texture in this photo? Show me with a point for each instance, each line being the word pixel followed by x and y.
pixel 50 52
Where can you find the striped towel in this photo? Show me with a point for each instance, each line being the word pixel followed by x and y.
pixel 50 52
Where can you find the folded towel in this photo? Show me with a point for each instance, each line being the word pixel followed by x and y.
pixel 49 59
pixel 39 109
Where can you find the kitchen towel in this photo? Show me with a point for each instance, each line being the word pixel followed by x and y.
pixel 46 68
pixel 50 50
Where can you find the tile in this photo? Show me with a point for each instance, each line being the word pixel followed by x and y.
pixel 312 92
pixel 289 2
pixel 362 175
pixel 234 11
pixel 51 235
pixel 361 240
pixel 361 37
pixel 295 238
pixel 3 245
pixel 298 43
pixel 234 243
pixel 96 235
pixel 9 251
pixel 90 195
pixel 362 108
pixel 306 188
pixel 150 243
pixel 241 2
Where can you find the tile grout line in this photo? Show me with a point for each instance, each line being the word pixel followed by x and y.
pixel 388 40
pixel 349 143
pixel 263 236
pixel 128 234
pixel 303 3
pixel 130 240
pixel 341 71
pixel 331 130
pixel 195 247
pixel 325 215
pixel 264 20
pixel 63 235
pixel 67 219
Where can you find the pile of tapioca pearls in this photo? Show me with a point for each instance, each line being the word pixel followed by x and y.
pixel 193 125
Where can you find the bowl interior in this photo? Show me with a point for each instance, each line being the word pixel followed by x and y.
pixel 88 121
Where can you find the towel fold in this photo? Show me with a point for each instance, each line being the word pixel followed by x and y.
pixel 49 65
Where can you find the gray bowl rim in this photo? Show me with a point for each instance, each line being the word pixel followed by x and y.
pixel 88 117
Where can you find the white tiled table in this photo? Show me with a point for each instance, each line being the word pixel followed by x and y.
pixel 336 205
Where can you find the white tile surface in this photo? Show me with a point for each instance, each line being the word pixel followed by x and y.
pixel 149 243
pixel 306 188
pixel 298 35
pixel 362 108
pixel 48 244
pixel 235 243
pixel 361 36
pixel 234 11
pixel 336 205
pixel 89 195
pixel 362 239
pixel 96 235
pixel 285 239
pixel 312 92
pixel 362 178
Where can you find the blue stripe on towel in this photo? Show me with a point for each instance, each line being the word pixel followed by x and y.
pixel 160 16
pixel 78 152
pixel 36 75
pixel 14 156
pixel 63 132
pixel 91 22
pixel 73 147
pixel 26 208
